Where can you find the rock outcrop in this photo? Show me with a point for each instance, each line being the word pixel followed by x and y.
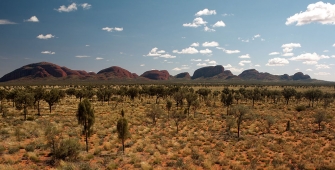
pixel 156 75
pixel 184 75
pixel 117 72
pixel 300 76
pixel 209 71
pixel 253 74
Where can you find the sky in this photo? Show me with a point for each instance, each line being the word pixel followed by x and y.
pixel 278 37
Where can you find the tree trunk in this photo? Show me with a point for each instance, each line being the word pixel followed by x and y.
pixel 238 131
pixel 25 113
pixel 38 108
pixel 86 134
pixel 50 108
pixel 123 145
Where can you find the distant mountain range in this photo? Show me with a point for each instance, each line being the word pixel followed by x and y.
pixel 46 70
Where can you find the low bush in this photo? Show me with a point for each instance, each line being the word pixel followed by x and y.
pixel 300 108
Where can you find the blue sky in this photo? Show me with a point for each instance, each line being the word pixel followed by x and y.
pixel 179 36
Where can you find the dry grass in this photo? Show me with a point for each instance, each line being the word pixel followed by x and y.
pixel 201 143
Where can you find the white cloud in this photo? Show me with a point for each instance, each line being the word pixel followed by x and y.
pixel 207 29
pixel 274 53
pixel 210 44
pixel 322 74
pixel 322 66
pixel 212 62
pixel 118 29
pixel 189 50
pixel 176 69
pixel 32 19
pixel 262 39
pixel 82 56
pixel 206 60
pixel 333 45
pixel 257 36
pixel 201 64
pixel 257 65
pixel 287 50
pixel 310 62
pixel 325 51
pixel 231 51
pixel 196 44
pixel 48 52
pixel 45 37
pixel 277 62
pixel 243 62
pixel 5 22
pixel 228 66
pixel 291 45
pixel 206 51
pixel 108 29
pixel 288 54
pixel 87 45
pixel 297 69
pixel 205 12
pixel 167 56
pixel 244 56
pixel 99 58
pixel 70 8
pixel 86 5
pixel 142 65
pixel 309 57
pixel 219 24
pixel 184 67
pixel 309 70
pixel 320 12
pixel 247 40
pixel 196 23
pixel 154 52
pixel 197 60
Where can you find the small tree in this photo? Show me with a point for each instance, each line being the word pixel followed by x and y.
pixel 3 94
pixel 133 92
pixel 190 98
pixel 38 96
pixel 85 116
pixel 168 107
pixel 229 101
pixel 320 117
pixel 288 93
pixel 178 117
pixel 239 112
pixel 52 136
pixel 154 112
pixel 24 100
pixel 122 130
pixel 270 120
pixel 52 97
pixel 196 105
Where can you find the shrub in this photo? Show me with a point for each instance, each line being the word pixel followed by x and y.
pixel 68 148
pixel 300 108
pixel 13 150
pixel 2 149
pixel 30 148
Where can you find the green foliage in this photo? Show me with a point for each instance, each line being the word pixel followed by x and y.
pixel 270 120
pixel 288 93
pixel 239 112
pixel 132 92
pixel 319 117
pixel 52 97
pixel 85 117
pixel 23 100
pixel 313 95
pixel 68 148
pixel 300 108
pixel 122 130
pixel 154 112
